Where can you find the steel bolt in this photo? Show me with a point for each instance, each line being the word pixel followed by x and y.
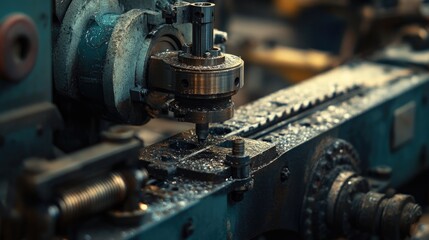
pixel 238 160
pixel 238 148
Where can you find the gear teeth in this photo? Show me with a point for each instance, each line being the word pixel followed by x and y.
pixel 317 188
pixel 296 107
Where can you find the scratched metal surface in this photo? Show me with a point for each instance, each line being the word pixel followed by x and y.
pixel 295 115
pixel 336 114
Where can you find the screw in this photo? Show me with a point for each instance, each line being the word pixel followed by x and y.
pixel 238 160
pixel 238 147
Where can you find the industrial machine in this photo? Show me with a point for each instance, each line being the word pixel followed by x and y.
pixel 318 160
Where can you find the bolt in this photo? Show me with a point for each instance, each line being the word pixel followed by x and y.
pixel 240 169
pixel 238 147
pixel 238 160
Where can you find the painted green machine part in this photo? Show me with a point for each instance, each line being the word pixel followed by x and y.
pixel 92 56
pixel 101 54
pixel 29 97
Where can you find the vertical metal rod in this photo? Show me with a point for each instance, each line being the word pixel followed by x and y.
pixel 238 147
pixel 202 27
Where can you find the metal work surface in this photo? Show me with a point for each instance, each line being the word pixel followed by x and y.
pixel 343 103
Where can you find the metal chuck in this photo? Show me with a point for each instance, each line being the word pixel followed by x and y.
pixel 201 77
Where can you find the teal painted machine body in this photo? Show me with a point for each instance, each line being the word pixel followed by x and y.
pixel 20 138
pixel 92 55
pixel 385 121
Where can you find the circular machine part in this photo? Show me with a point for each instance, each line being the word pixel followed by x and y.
pixel 335 156
pixel 202 92
pixel 114 50
pixel 201 82
pixel 61 8
pixel 210 111
pixel 165 38
pixel 126 62
pixel 19 44
pixel 338 201
pixel 73 26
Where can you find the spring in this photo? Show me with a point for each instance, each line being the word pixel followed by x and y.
pixel 97 195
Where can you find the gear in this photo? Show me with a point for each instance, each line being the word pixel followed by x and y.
pixel 339 202
pixel 337 156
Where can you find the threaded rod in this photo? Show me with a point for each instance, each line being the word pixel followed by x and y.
pixel 93 197
pixel 238 147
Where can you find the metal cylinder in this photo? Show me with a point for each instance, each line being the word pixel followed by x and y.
pixel 238 147
pixel 93 197
pixel 391 217
pixel 202 27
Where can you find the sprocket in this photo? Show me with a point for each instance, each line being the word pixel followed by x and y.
pixel 336 155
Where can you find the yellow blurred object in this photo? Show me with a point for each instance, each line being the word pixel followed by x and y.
pixel 292 7
pixel 294 64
